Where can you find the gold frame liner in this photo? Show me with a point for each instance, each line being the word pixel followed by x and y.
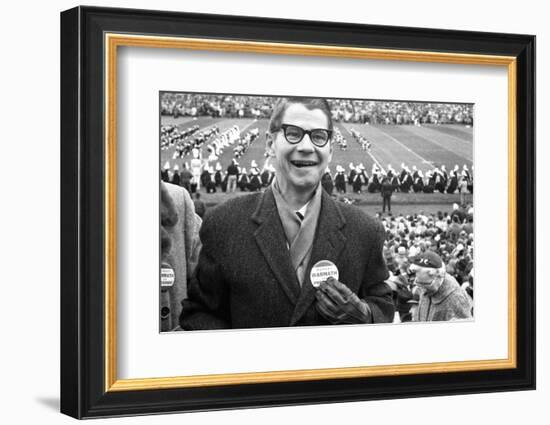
pixel 113 41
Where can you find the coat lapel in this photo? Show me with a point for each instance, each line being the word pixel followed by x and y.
pixel 327 245
pixel 271 240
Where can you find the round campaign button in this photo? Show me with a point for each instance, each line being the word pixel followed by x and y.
pixel 321 271
pixel 167 276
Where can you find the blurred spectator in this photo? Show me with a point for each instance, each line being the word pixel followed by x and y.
pixel 441 298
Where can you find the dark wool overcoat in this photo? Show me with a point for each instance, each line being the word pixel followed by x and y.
pixel 245 278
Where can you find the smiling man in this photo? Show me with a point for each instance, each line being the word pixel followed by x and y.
pixel 258 250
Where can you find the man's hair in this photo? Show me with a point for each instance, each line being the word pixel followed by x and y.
pixel 308 102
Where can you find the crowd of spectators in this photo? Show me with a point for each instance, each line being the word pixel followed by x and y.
pixel 450 235
pixel 383 112
pixel 215 105
pixel 343 110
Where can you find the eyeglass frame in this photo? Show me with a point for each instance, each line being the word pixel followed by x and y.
pixel 308 132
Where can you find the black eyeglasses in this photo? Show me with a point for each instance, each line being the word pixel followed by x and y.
pixel 294 134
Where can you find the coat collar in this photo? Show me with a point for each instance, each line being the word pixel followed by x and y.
pixel 327 245
pixel 271 240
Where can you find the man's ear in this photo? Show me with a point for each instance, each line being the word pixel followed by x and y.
pixel 270 140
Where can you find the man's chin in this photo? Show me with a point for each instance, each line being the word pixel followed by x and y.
pixel 304 185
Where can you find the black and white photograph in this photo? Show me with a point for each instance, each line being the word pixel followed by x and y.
pixel 309 211
pixel 277 209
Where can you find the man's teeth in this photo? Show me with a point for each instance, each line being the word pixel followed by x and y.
pixel 303 163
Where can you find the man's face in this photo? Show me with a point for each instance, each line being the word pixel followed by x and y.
pixel 299 167
pixel 425 280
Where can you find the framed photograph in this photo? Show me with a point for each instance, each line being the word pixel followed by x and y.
pixel 261 212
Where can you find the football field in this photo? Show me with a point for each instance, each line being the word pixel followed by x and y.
pixel 425 147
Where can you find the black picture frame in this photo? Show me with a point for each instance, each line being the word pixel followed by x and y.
pixel 83 168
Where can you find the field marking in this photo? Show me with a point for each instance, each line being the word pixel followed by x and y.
pixel 444 147
pixel 167 117
pixel 244 129
pixel 368 152
pixel 424 160
pixel 212 125
pixel 434 130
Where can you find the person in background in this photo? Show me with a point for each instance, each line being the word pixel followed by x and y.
pixel 165 173
pixel 326 181
pixel 185 177
pixel 386 191
pixel 180 246
pixel 200 207
pixel 440 296
pixel 340 179
pixel 232 176
pixel 176 175
pixel 243 181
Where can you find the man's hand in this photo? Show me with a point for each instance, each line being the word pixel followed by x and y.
pixel 339 305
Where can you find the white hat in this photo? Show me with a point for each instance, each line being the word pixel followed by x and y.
pixel 218 167
pixel 253 163
pixel 176 167
pixel 167 165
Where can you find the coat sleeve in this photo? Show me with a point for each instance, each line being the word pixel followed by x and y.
pixel 207 305
pixel 192 225
pixel 460 307
pixel 180 245
pixel 374 290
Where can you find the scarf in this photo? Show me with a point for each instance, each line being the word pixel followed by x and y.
pixel 299 233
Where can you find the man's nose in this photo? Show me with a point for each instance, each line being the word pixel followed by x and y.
pixel 306 145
